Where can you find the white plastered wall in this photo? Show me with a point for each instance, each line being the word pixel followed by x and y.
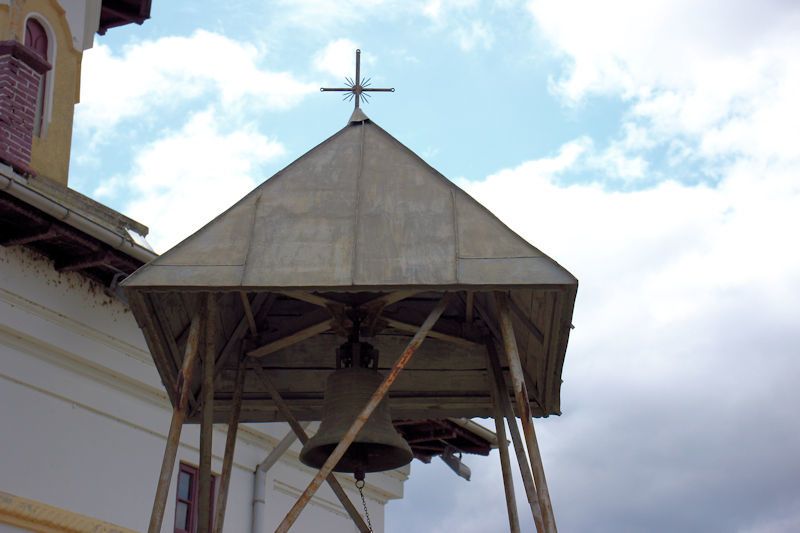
pixel 83 414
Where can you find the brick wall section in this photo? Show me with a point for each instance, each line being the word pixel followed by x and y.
pixel 21 72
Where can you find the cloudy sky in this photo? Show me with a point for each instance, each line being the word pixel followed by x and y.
pixel 652 148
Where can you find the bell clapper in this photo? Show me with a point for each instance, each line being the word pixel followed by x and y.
pixel 359 475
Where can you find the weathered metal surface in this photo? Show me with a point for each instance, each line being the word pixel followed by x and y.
pixel 176 424
pixel 523 406
pixel 363 416
pixel 359 210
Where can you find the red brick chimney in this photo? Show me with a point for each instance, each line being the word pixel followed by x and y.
pixel 21 72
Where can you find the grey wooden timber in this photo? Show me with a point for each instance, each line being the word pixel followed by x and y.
pixel 354 219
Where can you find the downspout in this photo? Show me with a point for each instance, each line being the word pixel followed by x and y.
pixel 260 480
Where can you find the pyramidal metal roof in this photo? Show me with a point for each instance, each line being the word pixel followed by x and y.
pixel 360 210
pixel 359 223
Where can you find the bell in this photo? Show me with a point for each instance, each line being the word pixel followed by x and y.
pixel 377 447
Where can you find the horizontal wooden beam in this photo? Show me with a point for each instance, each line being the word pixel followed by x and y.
pixel 291 339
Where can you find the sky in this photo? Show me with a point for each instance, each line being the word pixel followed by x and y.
pixel 651 148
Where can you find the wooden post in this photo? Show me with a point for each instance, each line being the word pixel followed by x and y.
pixel 204 499
pixel 184 388
pixel 524 408
pixel 363 416
pixel 505 462
pixel 230 445
pixel 300 431
pixel 501 396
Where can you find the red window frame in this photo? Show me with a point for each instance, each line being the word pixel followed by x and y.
pixel 192 498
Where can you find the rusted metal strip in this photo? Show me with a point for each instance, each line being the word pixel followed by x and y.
pixel 501 396
pixel 207 422
pixel 505 462
pixel 230 445
pixel 178 416
pixel 300 431
pixel 363 416
pixel 524 411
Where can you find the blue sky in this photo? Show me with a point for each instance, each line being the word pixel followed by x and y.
pixel 652 148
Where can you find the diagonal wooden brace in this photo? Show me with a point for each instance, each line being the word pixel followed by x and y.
pixel 524 410
pixel 500 391
pixel 184 387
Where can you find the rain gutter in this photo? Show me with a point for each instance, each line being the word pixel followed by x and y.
pixel 17 187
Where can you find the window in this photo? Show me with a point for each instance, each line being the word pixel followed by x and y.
pixel 186 498
pixel 36 39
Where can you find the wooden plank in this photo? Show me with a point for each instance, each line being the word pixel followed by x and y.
pixel 526 321
pixel 248 313
pixel 469 307
pixel 230 444
pixel 388 299
pixel 291 339
pixel 310 297
pixel 363 416
pixel 168 370
pixel 319 352
pixel 205 496
pixel 411 328
pixel 501 398
pixel 176 424
pixel 523 405
pixel 505 461
pixel 261 302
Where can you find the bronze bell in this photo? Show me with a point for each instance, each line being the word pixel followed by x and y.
pixel 377 447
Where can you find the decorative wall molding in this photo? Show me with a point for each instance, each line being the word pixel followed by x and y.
pixel 37 516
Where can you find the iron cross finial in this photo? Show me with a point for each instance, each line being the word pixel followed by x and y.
pixel 357 89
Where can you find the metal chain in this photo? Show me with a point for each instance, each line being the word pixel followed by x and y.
pixel 360 487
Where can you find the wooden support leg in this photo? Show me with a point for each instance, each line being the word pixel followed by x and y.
pixel 524 407
pixel 205 497
pixel 230 444
pixel 300 431
pixel 184 387
pixel 505 462
pixel 363 416
pixel 501 396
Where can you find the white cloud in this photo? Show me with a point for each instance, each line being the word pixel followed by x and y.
pixel 685 335
pixel 473 35
pixel 326 16
pixel 462 20
pixel 337 58
pixel 183 179
pixel 721 73
pixel 160 73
